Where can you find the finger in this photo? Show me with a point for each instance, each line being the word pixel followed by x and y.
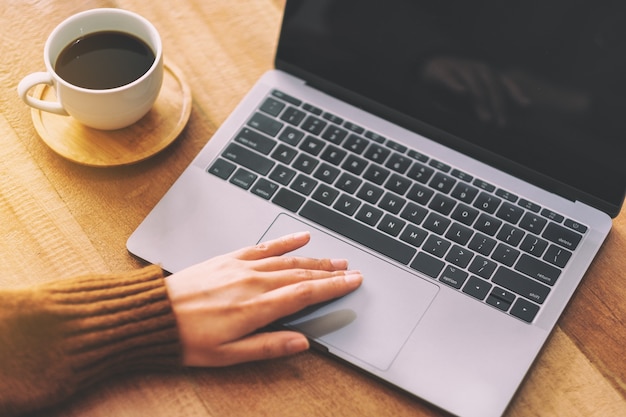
pixel 275 247
pixel 270 306
pixel 276 279
pixel 258 346
pixel 281 263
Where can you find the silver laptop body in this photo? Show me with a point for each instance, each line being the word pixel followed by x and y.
pixel 437 332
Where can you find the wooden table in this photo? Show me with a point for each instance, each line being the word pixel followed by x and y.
pixel 60 219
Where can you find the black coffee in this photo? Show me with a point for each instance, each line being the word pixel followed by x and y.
pixel 104 60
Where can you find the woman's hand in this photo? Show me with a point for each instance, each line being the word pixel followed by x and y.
pixel 220 303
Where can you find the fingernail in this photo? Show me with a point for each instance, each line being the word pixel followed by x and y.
pixel 353 277
pixel 297 345
pixel 339 263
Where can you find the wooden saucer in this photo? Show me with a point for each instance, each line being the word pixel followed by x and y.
pixel 101 148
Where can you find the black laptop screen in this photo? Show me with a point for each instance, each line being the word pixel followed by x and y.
pixel 541 83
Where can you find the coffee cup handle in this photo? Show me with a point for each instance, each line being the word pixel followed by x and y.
pixel 31 81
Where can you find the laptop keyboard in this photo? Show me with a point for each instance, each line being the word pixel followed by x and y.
pixel 481 240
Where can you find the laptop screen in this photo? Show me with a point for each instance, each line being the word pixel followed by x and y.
pixel 537 87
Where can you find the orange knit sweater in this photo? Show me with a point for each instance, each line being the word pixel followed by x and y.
pixel 56 338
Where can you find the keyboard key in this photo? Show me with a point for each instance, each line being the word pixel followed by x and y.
pixel 282 175
pixel 288 199
pixel 377 153
pixel 348 183
pixel 483 185
pixel 313 125
pixel 581 228
pixel 562 236
pixel 459 256
pixel 529 205
pixel 459 233
pixel 392 203
pixel 398 184
pixel 356 144
pixel 222 168
pixel 332 118
pixel 414 213
pixel 358 232
pixel 347 205
pixel 420 194
pixel 436 246
pixel 334 134
pixel 487 202
pixel 465 214
pixel 483 267
pixel 369 215
pixel 255 140
pixel 291 136
pixel 506 195
pixel 312 109
pixel 510 234
pixel 487 224
pixel 439 165
pixel 555 217
pixel 533 245
pixel 333 155
pixel 557 256
pixel 442 204
pixel 391 225
pixel 326 173
pixel 279 94
pixel 442 183
pixel 413 235
pixel 428 265
pixel 272 107
pixel 303 184
pixel 477 287
pixel 533 223
pixel 370 193
pixel 453 277
pixel 482 244
pixel 354 164
pixel 264 188
pixel 520 284
pixel 325 194
pixel 312 145
pixel 465 193
pixel 305 163
pixel 265 124
pixel 243 178
pixel 463 176
pixel 504 295
pixel 284 154
pixel 498 303
pixel 376 174
pixel 420 173
pixel 398 163
pixel 505 254
pixel 293 116
pixel 510 213
pixel 436 223
pixel 355 128
pixel 524 309
pixel 538 269
pixel 248 159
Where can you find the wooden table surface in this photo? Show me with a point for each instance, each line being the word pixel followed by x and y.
pixel 59 219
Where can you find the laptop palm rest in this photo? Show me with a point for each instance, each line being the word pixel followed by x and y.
pixel 371 324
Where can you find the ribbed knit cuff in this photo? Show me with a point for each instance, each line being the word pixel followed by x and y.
pixel 115 323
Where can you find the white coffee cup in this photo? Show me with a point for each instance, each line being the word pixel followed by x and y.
pixel 104 109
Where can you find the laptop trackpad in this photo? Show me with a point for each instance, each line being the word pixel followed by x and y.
pixel 370 324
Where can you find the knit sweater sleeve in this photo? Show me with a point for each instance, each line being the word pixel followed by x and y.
pixel 56 338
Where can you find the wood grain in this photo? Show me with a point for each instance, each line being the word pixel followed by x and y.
pixel 60 218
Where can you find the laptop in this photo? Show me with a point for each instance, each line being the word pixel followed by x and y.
pixel 467 157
